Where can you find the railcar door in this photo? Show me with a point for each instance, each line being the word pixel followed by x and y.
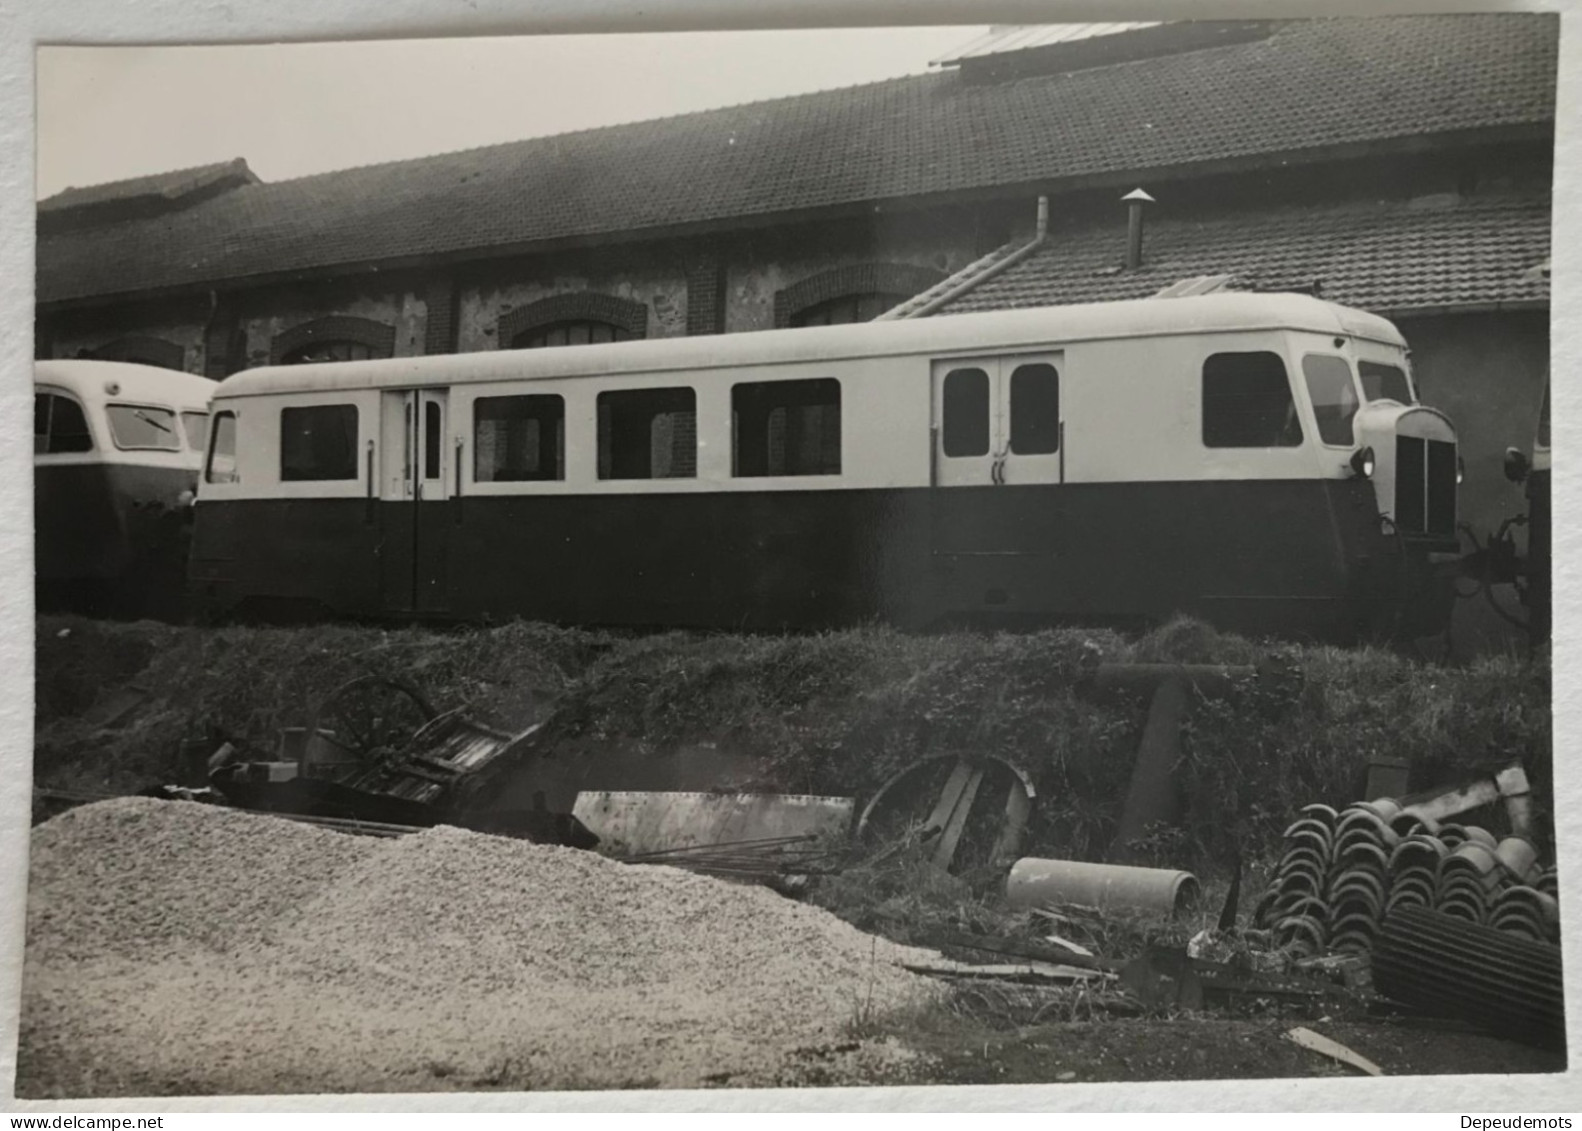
pixel 998 430
pixel 419 463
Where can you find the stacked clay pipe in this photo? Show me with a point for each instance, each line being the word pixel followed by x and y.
pixel 1342 873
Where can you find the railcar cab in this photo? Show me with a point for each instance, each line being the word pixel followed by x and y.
pixel 116 453
pixel 1259 460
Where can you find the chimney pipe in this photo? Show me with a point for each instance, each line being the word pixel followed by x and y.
pixel 1134 227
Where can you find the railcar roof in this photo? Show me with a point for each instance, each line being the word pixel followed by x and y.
pixel 88 380
pixel 984 332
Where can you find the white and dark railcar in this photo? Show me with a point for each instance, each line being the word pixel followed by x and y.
pixel 1257 460
pixel 117 449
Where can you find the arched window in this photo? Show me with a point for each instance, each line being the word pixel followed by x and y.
pixel 141 350
pixel 863 307
pixel 571 332
pixel 327 351
pixel 335 337
pixel 858 292
pixel 580 319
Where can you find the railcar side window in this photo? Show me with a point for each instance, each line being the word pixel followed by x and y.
pixel 786 427
pixel 1384 382
pixel 59 425
pixel 318 442
pixel 1333 394
pixel 1247 402
pixel 1035 409
pixel 965 407
pixel 141 427
pixel 518 439
pixel 648 434
pixel 196 425
pixel 221 465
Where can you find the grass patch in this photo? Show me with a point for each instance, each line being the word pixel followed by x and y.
pixel 838 713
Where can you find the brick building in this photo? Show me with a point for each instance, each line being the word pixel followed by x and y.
pixel 1398 164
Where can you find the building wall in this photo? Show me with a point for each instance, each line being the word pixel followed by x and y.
pixel 178 322
pixel 760 265
pixel 654 277
pixel 264 315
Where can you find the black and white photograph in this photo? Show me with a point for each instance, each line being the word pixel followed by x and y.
pixel 1004 553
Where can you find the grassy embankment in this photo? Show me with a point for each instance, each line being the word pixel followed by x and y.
pixel 838 714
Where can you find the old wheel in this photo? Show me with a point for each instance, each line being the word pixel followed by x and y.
pixel 367 721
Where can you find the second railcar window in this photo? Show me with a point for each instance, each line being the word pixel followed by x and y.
pixel 787 427
pixel 519 439
pixel 648 434
pixel 318 442
pixel 1247 402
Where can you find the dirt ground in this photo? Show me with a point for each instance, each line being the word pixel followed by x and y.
pixel 1210 1049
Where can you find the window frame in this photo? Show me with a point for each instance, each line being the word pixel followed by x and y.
pixel 1012 416
pixel 946 414
pixel 353 449
pixel 634 392
pixel 178 431
pixel 741 389
pixel 1293 419
pixel 235 475
pixel 1362 381
pixel 1312 402
pixel 558 471
pixel 54 392
pixel 618 333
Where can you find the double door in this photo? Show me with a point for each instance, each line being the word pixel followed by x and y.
pixel 997 432
pixel 997 421
pixel 420 471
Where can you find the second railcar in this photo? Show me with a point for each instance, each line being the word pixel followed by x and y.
pixel 1257 460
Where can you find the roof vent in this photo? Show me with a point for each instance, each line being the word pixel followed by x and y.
pixel 1134 227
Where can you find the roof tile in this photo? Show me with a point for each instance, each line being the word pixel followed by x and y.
pixel 1312 85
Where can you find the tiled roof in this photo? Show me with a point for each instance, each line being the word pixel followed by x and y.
pixel 166 186
pixel 1310 86
pixel 1387 257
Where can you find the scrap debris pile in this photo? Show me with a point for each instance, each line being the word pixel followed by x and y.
pixel 1342 874
pixel 181 948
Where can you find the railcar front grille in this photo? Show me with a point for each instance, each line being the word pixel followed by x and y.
pixel 1425 486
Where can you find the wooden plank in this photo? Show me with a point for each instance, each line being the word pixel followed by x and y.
pixel 1020 948
pixel 1322 1045
pixel 1029 972
pixel 946 805
pixel 945 852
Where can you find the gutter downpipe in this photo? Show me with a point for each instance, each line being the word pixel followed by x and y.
pixel 990 272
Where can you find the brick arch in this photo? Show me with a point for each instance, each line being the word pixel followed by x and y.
pixel 853 279
pixel 379 337
pixel 143 350
pixel 583 306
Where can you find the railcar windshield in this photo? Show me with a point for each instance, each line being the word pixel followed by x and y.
pixel 1543 421
pixel 141 427
pixel 1382 382
pixel 196 426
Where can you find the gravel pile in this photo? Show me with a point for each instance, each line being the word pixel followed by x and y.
pixel 175 948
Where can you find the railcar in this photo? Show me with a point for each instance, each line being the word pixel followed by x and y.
pixel 117 450
pixel 1257 460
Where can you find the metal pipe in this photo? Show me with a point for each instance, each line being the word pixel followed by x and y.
pixel 1036 883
